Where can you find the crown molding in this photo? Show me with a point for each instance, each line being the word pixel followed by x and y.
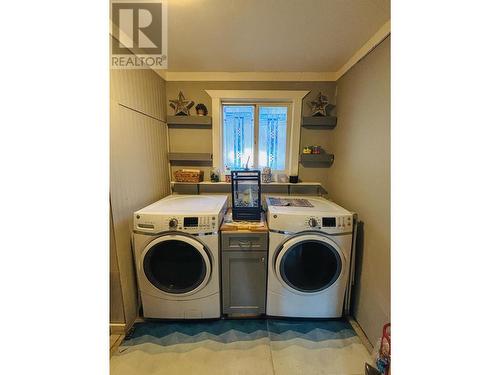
pixel 247 76
pixel 373 42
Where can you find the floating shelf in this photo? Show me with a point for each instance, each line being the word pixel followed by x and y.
pixel 322 122
pixel 317 158
pixel 198 121
pixel 190 156
pixel 262 184
pixel 267 188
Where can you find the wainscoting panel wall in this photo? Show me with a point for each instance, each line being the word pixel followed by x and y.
pixel 138 164
pixel 141 90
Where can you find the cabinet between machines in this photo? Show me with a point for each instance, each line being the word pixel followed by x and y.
pixel 244 272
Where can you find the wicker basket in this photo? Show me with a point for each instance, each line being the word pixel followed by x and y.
pixel 188 175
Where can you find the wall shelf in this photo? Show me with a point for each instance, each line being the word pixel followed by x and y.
pixel 300 188
pixel 189 121
pixel 222 183
pixel 317 158
pixel 190 156
pixel 319 122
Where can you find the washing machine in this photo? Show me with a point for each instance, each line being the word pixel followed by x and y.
pixel 309 261
pixel 176 248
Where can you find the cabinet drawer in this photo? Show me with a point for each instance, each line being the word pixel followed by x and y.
pixel 244 241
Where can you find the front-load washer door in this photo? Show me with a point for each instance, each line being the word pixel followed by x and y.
pixel 309 264
pixel 176 265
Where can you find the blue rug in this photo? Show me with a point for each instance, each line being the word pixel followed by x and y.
pixel 172 333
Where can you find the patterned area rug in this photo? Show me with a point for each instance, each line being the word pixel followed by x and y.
pixel 241 347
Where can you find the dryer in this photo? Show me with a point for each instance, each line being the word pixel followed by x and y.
pixel 176 248
pixel 309 261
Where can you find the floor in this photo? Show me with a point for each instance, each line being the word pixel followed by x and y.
pixel 240 347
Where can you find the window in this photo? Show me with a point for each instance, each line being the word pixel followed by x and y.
pixel 258 99
pixel 257 134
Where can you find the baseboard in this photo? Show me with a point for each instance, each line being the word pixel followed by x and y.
pixel 114 343
pixel 362 336
pixel 140 319
pixel 117 328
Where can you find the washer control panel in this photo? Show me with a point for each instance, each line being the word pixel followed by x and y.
pixel 189 224
pixel 193 224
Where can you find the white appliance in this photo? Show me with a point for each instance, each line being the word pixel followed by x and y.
pixel 310 242
pixel 176 248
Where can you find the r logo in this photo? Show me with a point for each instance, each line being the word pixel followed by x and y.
pixel 137 28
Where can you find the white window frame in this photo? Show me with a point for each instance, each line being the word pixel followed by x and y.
pixel 294 98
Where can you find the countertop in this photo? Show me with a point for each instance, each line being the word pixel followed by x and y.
pixel 228 225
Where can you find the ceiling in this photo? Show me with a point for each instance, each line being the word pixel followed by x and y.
pixel 269 35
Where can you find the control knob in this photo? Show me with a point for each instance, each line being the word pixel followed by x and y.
pixel 312 222
pixel 172 223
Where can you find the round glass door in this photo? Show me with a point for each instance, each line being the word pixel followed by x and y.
pixel 309 265
pixel 176 266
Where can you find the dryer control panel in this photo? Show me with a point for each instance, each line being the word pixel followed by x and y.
pixel 298 223
pixel 188 224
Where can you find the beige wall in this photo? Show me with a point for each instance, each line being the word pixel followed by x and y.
pixel 138 165
pixel 200 140
pixel 360 179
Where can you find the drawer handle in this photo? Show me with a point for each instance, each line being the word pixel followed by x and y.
pixel 262 260
pixel 245 243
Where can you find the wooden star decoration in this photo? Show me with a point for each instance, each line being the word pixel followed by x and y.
pixel 181 106
pixel 318 106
